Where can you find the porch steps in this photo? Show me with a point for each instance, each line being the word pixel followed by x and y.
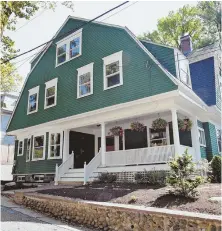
pixel 75 175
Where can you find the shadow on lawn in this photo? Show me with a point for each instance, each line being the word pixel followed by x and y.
pixel 169 200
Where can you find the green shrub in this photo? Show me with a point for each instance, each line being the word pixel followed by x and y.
pixel 216 169
pixel 180 177
pixel 132 200
pixel 106 177
pixel 151 177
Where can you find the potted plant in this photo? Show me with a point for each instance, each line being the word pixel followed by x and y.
pixel 116 131
pixel 159 124
pixel 185 125
pixel 137 126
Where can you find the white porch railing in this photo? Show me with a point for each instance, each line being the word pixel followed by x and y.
pixel 91 166
pixel 64 167
pixel 191 150
pixel 150 155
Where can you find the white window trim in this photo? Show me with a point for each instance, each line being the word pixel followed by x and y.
pixel 201 129
pixel 33 91
pixel 51 83
pixel 29 149
pixel 33 146
pixel 66 41
pixel 22 147
pixel 111 59
pixel 81 71
pixel 217 139
pixel 61 145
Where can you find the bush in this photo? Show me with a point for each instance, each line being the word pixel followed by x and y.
pixel 106 177
pixel 216 169
pixel 180 176
pixel 132 200
pixel 151 177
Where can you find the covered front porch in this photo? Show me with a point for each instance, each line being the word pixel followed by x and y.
pixel 130 146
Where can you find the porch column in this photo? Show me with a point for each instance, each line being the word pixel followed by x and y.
pixel 124 139
pixel 103 143
pixel 195 138
pixel 176 137
pixel 66 145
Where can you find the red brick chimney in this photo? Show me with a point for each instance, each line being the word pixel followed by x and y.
pixel 186 44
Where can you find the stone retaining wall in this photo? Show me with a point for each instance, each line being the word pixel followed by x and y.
pixel 109 216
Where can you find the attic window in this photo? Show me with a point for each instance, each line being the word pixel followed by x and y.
pixel 112 70
pixel 51 93
pixel 33 100
pixel 69 48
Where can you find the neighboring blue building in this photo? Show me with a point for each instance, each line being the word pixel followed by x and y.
pixel 8 102
pixel 205 71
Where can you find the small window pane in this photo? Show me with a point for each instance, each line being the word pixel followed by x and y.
pixel 57 151
pixel 52 151
pixel 84 78
pixel 28 149
pixel 61 59
pixel 50 91
pixel 38 152
pixel 58 138
pixel 50 101
pixel 74 52
pixel 20 147
pixel 84 89
pixel 39 141
pixel 74 43
pixel 113 80
pixel 61 50
pixel 112 68
pixel 32 102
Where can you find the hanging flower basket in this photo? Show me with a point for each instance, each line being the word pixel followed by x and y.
pixel 185 125
pixel 137 126
pixel 159 124
pixel 116 131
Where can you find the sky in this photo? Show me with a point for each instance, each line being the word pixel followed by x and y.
pixel 139 17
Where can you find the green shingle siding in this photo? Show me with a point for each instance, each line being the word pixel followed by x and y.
pixel 41 166
pixel 98 41
pixel 164 55
pixel 211 140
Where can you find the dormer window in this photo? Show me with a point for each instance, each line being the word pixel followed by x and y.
pixel 69 48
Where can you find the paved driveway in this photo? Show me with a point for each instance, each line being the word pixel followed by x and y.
pixel 18 218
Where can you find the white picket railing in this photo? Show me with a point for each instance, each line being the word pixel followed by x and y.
pixel 150 155
pixel 64 167
pixel 91 166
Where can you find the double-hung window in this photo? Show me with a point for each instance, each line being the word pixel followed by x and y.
pixel 69 48
pixel 113 70
pixel 38 152
pixel 20 148
pixel 33 100
pixel 28 149
pixel 51 93
pixel 202 139
pixel 55 145
pixel 85 80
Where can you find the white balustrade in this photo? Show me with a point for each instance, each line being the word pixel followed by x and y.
pixel 191 151
pixel 64 167
pixel 92 166
pixel 150 155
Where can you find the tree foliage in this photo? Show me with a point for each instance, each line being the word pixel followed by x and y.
pixel 11 12
pixel 180 177
pixel 201 22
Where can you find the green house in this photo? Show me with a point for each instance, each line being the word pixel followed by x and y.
pixel 98 99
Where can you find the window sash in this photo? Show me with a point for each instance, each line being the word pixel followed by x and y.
pixel 202 139
pixel 20 148
pixel 55 145
pixel 28 149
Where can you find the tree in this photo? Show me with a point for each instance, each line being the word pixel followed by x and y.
pixel 210 14
pixel 175 25
pixel 180 176
pixel 11 11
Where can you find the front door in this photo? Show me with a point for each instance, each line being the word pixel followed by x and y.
pixel 83 146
